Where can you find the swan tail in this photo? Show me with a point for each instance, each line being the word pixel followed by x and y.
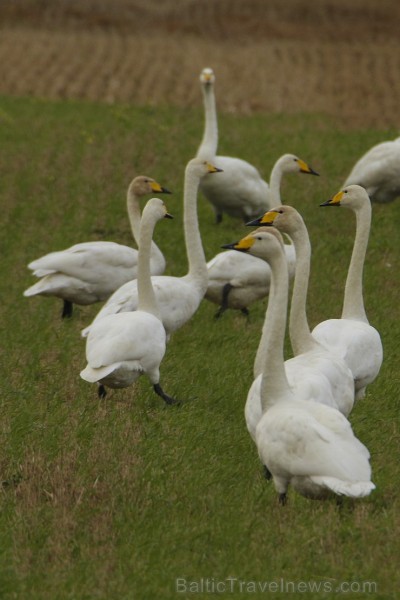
pixel 353 489
pixel 36 289
pixel 93 375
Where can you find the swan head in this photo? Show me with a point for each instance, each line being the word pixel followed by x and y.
pixel 290 163
pixel 352 196
pixel 263 243
pixel 142 185
pixel 200 167
pixel 284 218
pixel 207 76
pixel 157 209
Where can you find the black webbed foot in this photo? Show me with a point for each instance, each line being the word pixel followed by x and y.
pixel 101 391
pixel 67 310
pixel 282 499
pixel 167 399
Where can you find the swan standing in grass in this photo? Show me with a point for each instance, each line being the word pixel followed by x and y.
pixel 124 346
pixel 238 280
pixel 309 354
pixel 313 373
pixel 91 271
pixel 240 191
pixel 304 444
pixel 378 171
pixel 177 297
pixel 351 336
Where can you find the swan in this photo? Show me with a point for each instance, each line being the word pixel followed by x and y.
pixel 378 172
pixel 238 280
pixel 314 373
pixel 307 445
pixel 351 336
pixel 308 352
pixel 124 346
pixel 91 271
pixel 240 191
pixel 177 297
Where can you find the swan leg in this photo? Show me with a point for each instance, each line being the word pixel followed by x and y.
pixel 245 311
pixel 218 218
pixel 224 303
pixel 282 499
pixel 67 310
pixel 168 399
pixel 267 473
pixel 101 391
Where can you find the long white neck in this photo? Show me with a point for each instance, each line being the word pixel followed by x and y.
pixel 135 217
pixel 275 181
pixel 194 247
pixel 209 143
pixel 353 304
pixel 299 330
pixel 260 358
pixel 146 297
pixel 274 383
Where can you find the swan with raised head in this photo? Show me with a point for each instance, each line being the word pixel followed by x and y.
pixel 124 346
pixel 178 297
pixel 378 171
pixel 351 336
pixel 313 374
pixel 238 280
pixel 308 353
pixel 307 445
pixel 240 191
pixel 91 271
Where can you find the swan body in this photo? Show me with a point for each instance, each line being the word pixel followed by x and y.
pixel 124 346
pixel 237 281
pixel 305 444
pixel 240 190
pixel 378 171
pixel 178 297
pixel 351 336
pixel 91 271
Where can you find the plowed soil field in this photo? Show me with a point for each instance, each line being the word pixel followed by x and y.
pixel 341 58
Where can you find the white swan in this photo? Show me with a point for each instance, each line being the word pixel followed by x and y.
pixel 351 336
pixel 378 171
pixel 308 353
pixel 305 444
pixel 314 373
pixel 237 280
pixel 91 271
pixel 177 297
pixel 124 346
pixel 240 191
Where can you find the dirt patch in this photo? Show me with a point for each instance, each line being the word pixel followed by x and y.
pixel 340 58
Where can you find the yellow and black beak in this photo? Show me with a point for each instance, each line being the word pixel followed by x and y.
pixel 158 189
pixel 168 216
pixel 267 219
pixel 213 169
pixel 305 168
pixel 335 200
pixel 242 245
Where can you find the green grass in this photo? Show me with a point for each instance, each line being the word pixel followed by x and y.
pixel 118 498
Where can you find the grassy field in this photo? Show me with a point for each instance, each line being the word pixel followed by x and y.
pixel 119 498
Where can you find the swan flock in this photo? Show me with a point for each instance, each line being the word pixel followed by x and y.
pixel 298 408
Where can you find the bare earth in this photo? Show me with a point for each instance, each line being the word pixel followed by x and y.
pixel 338 57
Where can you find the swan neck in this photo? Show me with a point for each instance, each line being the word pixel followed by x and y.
pixel 146 297
pixel 299 330
pixel 274 382
pixel 275 184
pixel 135 217
pixel 194 247
pixel 208 147
pixel 353 305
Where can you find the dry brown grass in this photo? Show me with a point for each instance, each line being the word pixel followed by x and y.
pixel 339 58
